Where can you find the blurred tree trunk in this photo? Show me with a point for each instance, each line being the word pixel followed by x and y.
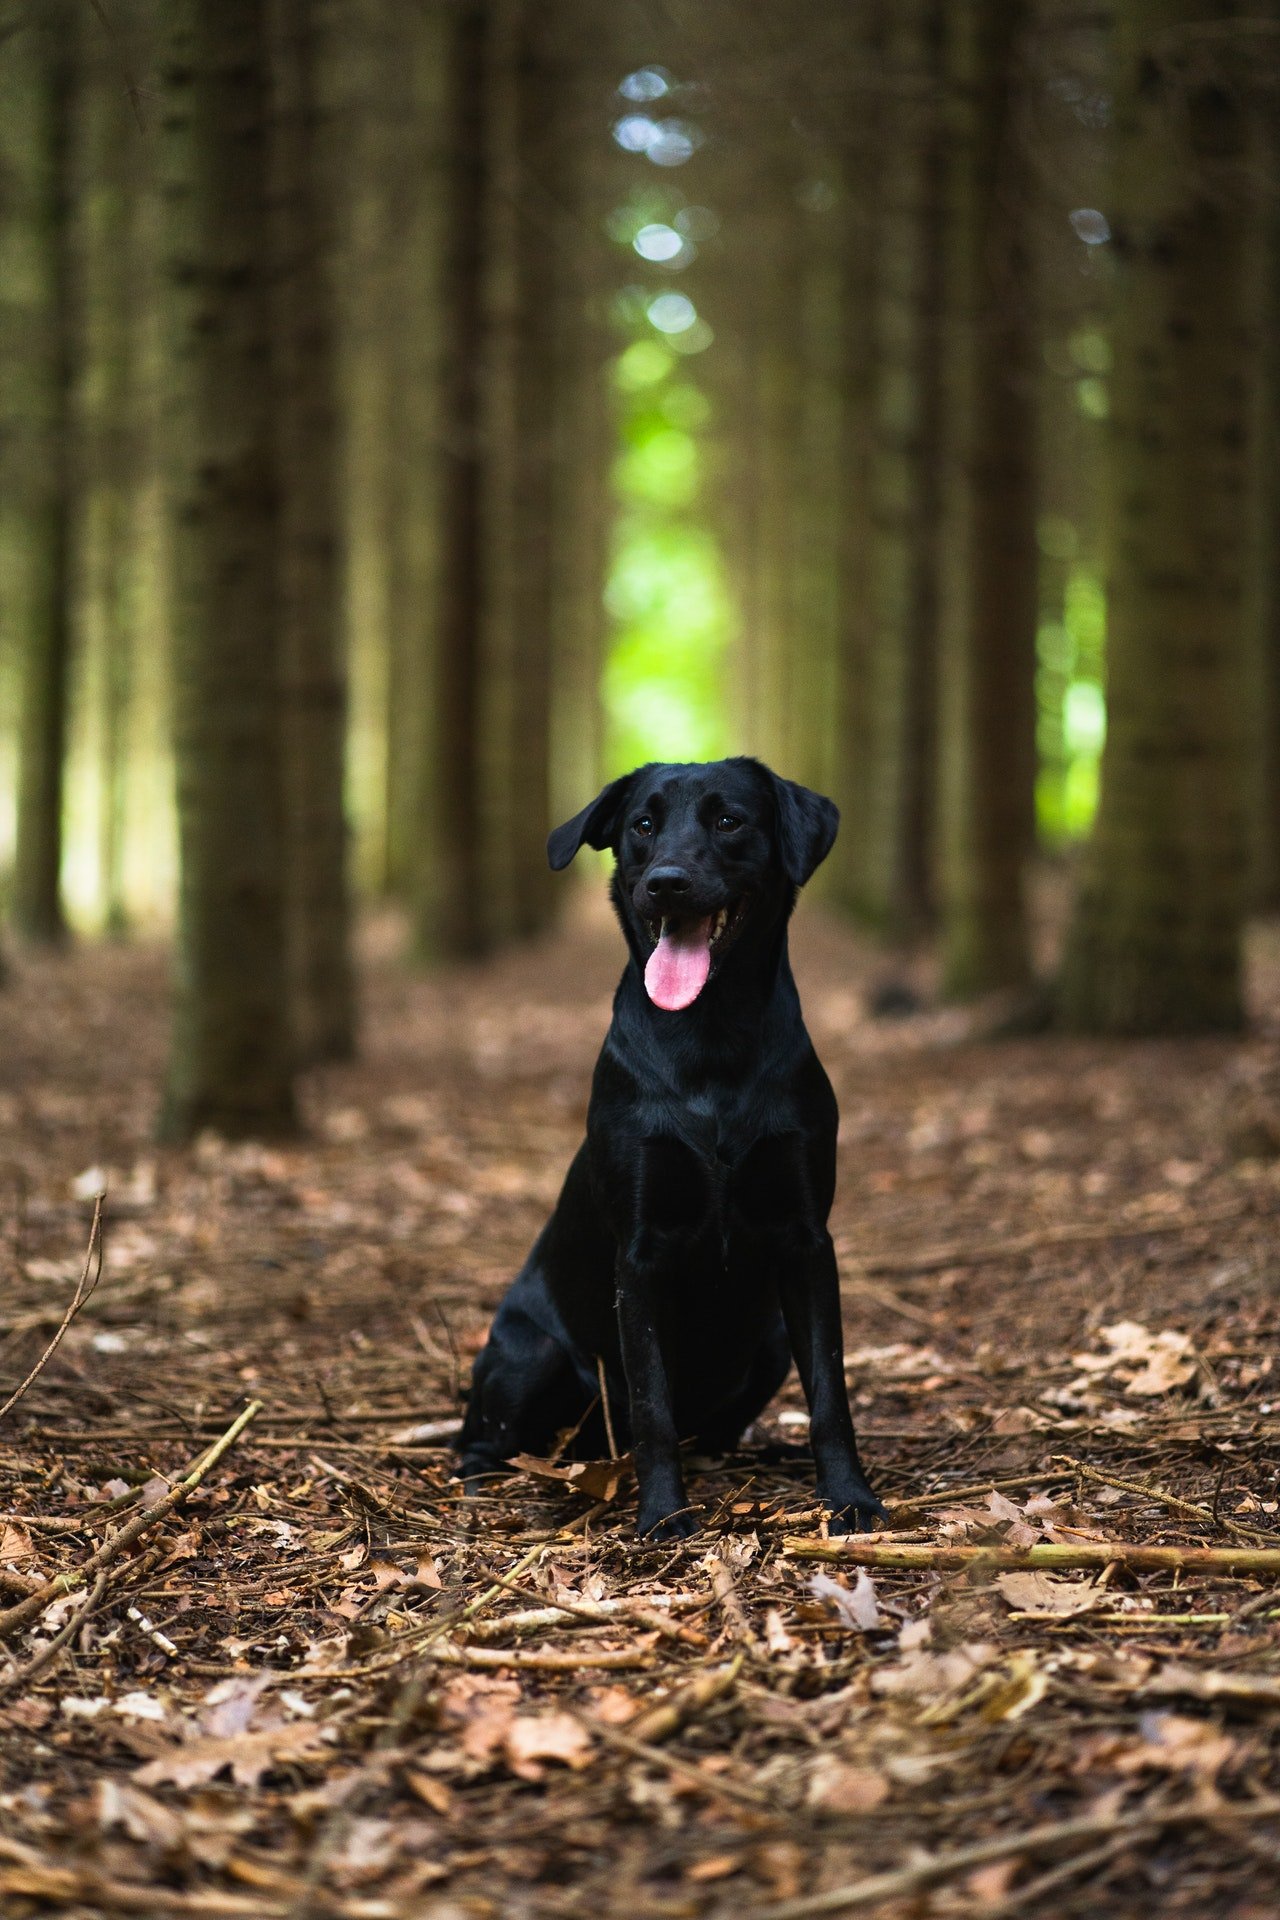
pixel 418 160
pixel 815 513
pixel 230 1065
pixel 767 409
pixel 1155 942
pixel 111 167
pixel 448 878
pixel 897 888
pixel 322 989
pixel 853 636
pixel 581 460
pixel 1266 516
pixel 369 123
pixel 525 134
pixel 40 479
pixel 990 598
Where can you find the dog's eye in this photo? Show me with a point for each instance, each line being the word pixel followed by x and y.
pixel 728 823
pixel 643 826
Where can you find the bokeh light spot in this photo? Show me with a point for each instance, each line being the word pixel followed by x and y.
pixel 672 313
pixel 658 242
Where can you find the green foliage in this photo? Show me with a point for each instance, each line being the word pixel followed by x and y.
pixel 663 679
pixel 1071 720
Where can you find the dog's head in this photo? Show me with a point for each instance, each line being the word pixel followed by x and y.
pixel 706 855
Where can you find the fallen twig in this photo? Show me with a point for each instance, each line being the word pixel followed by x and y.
pixel 28 1877
pixel 20 1679
pixel 937 1259
pixel 35 1603
pixel 660 1722
pixel 606 1409
pixel 1161 1498
pixel 943 1496
pixel 539 1660
pixel 84 1287
pixel 902 1882
pixel 600 1613
pixel 858 1551
pixel 725 1590
pixel 712 1784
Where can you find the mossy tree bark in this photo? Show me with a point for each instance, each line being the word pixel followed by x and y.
pixel 39 456
pixel 990 593
pixel 322 990
pixel 230 1065
pixel 1155 942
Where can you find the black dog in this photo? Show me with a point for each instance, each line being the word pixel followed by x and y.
pixel 689 1250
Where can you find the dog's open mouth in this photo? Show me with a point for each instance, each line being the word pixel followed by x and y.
pixel 685 953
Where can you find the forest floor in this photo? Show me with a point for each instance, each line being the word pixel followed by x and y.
pixel 322 1684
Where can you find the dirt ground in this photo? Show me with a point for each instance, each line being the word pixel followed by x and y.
pixel 322 1684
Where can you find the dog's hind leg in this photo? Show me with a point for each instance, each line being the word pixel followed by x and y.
pixel 525 1389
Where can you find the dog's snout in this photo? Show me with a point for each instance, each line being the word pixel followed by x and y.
pixel 663 882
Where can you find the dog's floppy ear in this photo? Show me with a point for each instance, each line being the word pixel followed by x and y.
pixel 807 824
pixel 594 827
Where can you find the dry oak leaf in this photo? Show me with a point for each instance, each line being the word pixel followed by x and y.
pixel 1046 1596
pixel 1156 1363
pixel 923 1675
pixel 534 1737
pixel 597 1479
pixel 1175 1743
pixel 857 1605
pixel 247 1756
pixel 15 1544
pixel 836 1787
pixel 714 1866
pixel 143 1818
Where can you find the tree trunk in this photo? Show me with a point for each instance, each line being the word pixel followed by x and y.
pixel 539 177
pixel 110 168
pixel 990 599
pixel 231 1057
pixel 322 989
pixel 1266 516
pixel 420 163
pixel 581 464
pixel 851 561
pixel 447 883
pixel 519 426
pixel 39 481
pixel 897 893
pixel 1155 943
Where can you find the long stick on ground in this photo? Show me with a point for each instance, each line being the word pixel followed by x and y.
pixel 35 1603
pixel 1158 1495
pixel 859 1552
pixel 84 1287
pixel 902 1882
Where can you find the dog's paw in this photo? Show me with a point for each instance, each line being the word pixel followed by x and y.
pixel 856 1513
pixel 655 1528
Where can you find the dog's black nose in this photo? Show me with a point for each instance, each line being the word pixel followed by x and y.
pixel 664 881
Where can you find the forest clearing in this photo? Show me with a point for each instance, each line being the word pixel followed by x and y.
pixel 447 446
pixel 327 1685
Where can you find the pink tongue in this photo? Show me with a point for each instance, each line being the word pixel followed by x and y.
pixel 679 965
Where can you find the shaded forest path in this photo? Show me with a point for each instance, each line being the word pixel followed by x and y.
pixel 1061 1274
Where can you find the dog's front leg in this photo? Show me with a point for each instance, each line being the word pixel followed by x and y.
pixel 663 1502
pixel 810 1293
